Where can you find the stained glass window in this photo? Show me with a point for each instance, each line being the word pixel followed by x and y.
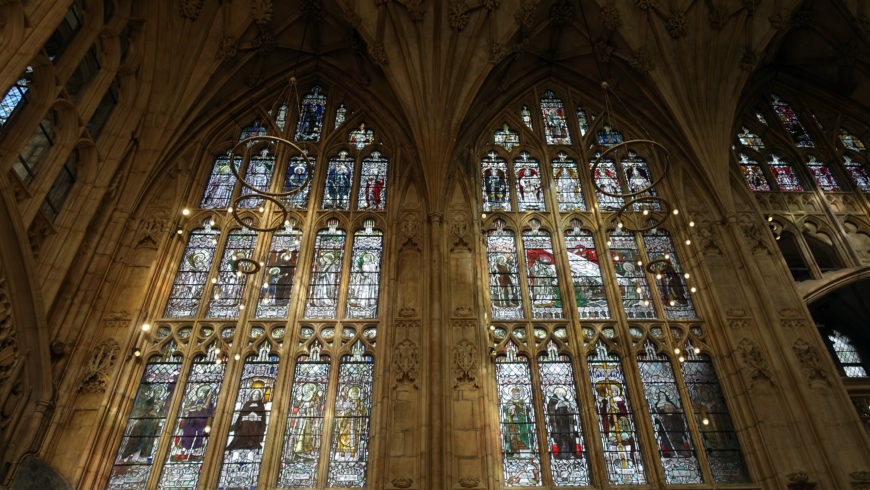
pixel 717 432
pixel 583 121
pixel 339 182
pixel 14 96
pixel 281 118
pixel 670 276
pixel 668 417
pixel 630 276
pixel 373 183
pixel 822 174
pixel 495 183
pixel 526 114
pixel 608 136
pixel 255 129
pixel 258 175
pixel 858 173
pixel 303 434
pixel 753 174
pixel 506 137
pixel 622 455
pixel 555 126
pixel 279 274
pixel 606 178
pixel 847 355
pixel 504 277
pixel 784 174
pixel 589 292
pixel 791 122
pixel 521 461
pixel 220 186
pixel 361 137
pixel 637 177
pixel 349 449
pixel 530 192
pixel 340 115
pixel 296 175
pixel 192 273
pixel 760 116
pixel 325 273
pixel 750 139
pixel 544 296
pixel 142 433
pixel 569 193
pixel 229 286
pixel 850 141
pixel 251 414
pixel 365 273
pixel 192 426
pixel 311 112
pixel 568 462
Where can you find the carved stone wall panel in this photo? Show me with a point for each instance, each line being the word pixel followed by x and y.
pixel 754 365
pixel 98 368
pixel 810 362
pixel 406 363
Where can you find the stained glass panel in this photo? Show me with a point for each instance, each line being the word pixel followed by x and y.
pixel 219 189
pixel 279 275
pixel 859 175
pixel 791 122
pixel 849 358
pixel 608 136
pixel 622 455
pixel 258 175
pixel 297 172
pixel 526 114
pixel 822 174
pixel 568 462
pixel 311 112
pixel 630 276
pixel 281 118
pixel 750 139
pixel 784 174
pixel 530 193
pixel 760 116
pixel 545 300
pixel 638 176
pixel 850 141
pixel 504 277
pixel 495 183
pixel 668 417
pixel 325 274
pixel 506 137
pixel 191 433
pixel 569 192
pixel 14 96
pixel 340 115
pixel 251 414
pixel 255 129
pixel 589 292
pixel 373 183
pixel 230 286
pixel 672 284
pixel 521 460
pixel 192 273
pixel 145 423
pixel 349 449
pixel 365 274
pixel 555 126
pixel 339 182
pixel 583 121
pixel 361 137
pixel 753 174
pixel 606 178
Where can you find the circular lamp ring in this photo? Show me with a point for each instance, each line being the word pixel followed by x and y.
pixel 667 265
pixel 654 183
pixel 666 212
pixel 308 164
pixel 284 212
pixel 255 266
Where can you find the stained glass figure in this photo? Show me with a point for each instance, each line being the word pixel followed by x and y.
pixel 504 277
pixel 760 116
pixel 606 178
pixel 340 115
pixel 506 137
pixel 297 172
pixel 339 182
pixel 717 432
pixel 791 122
pixel 850 141
pixel 849 358
pixel 677 452
pixel 303 435
pixel 244 450
pixel 608 136
pixel 279 274
pixel 544 296
pixel 555 126
pixel 753 174
pixel 254 129
pixel 784 174
pixel 750 139
pixel 365 273
pixel 495 183
pixel 589 292
pixel 349 449
pixel 15 95
pixel 569 192
pixel 219 189
pixel 325 274
pixel 858 173
pixel 638 176
pixel 259 175
pixel 672 284
pixel 526 115
pixel 310 123
pixel 630 276
pixel 622 454
pixel 361 136
pixel 191 433
pixel 142 433
pixel 568 462
pixel 192 273
pixel 521 460
pixel 530 192
pixel 373 183
pixel 822 174
pixel 582 120
pixel 230 286
pixel 281 117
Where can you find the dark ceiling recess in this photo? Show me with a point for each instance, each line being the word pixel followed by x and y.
pixel 846 310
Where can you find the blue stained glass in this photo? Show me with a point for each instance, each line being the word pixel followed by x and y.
pixel 259 175
pixel 544 294
pixel 850 141
pixel 219 189
pixel 495 183
pixel 750 139
pixel 555 126
pixel 14 96
pixel 849 358
pixel 606 178
pixel 373 183
pixel 521 461
pixel 583 260
pixel 506 137
pixel 297 172
pixel 672 284
pixel 858 173
pixel 230 285
pixel 325 274
pixel 822 174
pixel 637 177
pixel 530 192
pixel 504 280
pixel 311 111
pixel 608 136
pixel 255 129
pixel 361 136
pixel 791 122
pixel 753 174
pixel 569 192
pixel 526 115
pixel 280 271
pixel 192 273
pixel 630 276
pixel 339 182
pixel 365 273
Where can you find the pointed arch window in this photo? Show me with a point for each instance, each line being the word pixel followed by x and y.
pixel 279 275
pixel 847 355
pixel 526 116
pixel 544 296
pixel 784 174
pixel 555 125
pixel 326 270
pixel 630 275
pixel 296 175
pixel 495 183
pixel 583 261
pixel 674 293
pixel 192 273
pixel 365 273
pixel 340 115
pixel 791 122
pixel 607 136
pixel 822 174
pixel 521 460
pixel 311 111
pixel 583 120
pixel 221 183
pixel 607 179
pixel 504 277
pixel 569 191
pixel 229 285
pixel 753 174
pixel 529 187
pixel 15 96
pixel 61 187
pixel 749 139
pixel 506 137
pixel 281 117
pixel 858 172
pixel 258 175
pixel 373 183
pixel 637 177
pixel 850 141
pixel 339 182
pixel 361 136
pixel 30 159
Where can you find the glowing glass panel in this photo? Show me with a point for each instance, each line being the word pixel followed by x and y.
pixel 14 96
pixel 569 192
pixel 784 174
pixel 583 121
pixel 760 116
pixel 230 286
pixel 504 277
pixel 847 355
pixel 361 137
pixel 219 189
pixel 791 122
pixel 521 460
pixel 373 183
pixel 495 184
pixel 325 274
pixel 858 173
pixel 192 273
pixel 544 297
pixel 589 292
pixel 750 139
pixel 555 126
pixel 281 118
pixel 850 141
pixel 340 115
pixel 339 182
pixel 526 115
pixel 530 193
pixel 630 276
pixel 638 176
pixel 608 136
pixel 280 272
pixel 753 174
pixel 297 172
pixel 822 174
pixel 506 137
pixel 259 175
pixel 255 129
pixel 365 274
pixel 310 123
pixel 606 178
pixel 672 285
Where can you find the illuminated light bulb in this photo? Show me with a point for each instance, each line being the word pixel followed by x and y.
pixel 691 224
pixel 672 302
pixel 619 225
pixel 639 263
pixel 261 209
pixel 296 242
pixel 483 215
pixel 180 231
pixel 213 241
pixel 265 284
pixel 211 223
pixel 137 352
pixel 286 222
pixel 239 273
pixel 637 290
pixel 217 351
pixel 682 359
pixel 645 212
pixel 770 218
pixel 214 280
pixel 206 429
pixel 146 327
pixel 676 212
pixel 492 327
pixel 616 258
pixel 697 350
pixel 185 211
pixel 686 275
pixel 608 243
pixel 658 276
pixel 667 256
pixel 241 307
pixel 262 263
pixel 217 295
pixel 230 210
pixel 705 421
pixel 646 302
pixel 688 242
pixel 778 237
pixel 237 357
pixel 694 289
pixel 676 350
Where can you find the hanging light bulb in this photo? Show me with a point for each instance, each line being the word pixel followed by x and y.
pixel 146 327
pixel 482 215
pixel 638 290
pixel 241 307
pixel 185 212
pixel 682 359
pixel 237 357
pixel 697 350
pixel 230 210
pixel 214 280
pixel 672 303
pixel 676 211
pixel 694 289
pixel 705 421
pixel 137 352
pixel 261 209
pixel 211 222
pixel 646 302
pixel 659 276
pixel 619 225
pixel 676 350
pixel 688 242
pixel 608 243
pixel 645 211
pixel 639 263
pixel 686 275
pixel 691 224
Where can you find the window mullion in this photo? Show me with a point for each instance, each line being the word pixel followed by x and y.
pixel 329 408
pixel 540 423
pixel 689 411
pixel 645 430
